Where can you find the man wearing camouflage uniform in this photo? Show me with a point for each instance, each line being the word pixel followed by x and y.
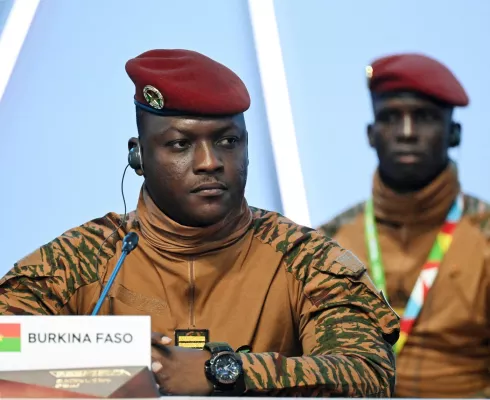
pixel 209 266
pixel 424 241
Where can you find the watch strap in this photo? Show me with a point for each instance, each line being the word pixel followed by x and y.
pixel 217 347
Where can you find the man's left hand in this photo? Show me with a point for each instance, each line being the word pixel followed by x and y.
pixel 179 371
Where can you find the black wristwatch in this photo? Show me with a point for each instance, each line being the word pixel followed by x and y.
pixel 224 368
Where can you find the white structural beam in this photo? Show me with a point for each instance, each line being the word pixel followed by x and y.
pixel 12 38
pixel 279 113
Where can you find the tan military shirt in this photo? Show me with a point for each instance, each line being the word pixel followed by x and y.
pixel 314 321
pixel 447 353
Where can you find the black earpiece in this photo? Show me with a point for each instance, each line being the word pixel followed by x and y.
pixel 455 135
pixel 135 160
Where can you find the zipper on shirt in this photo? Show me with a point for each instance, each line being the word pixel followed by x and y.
pixel 404 235
pixel 192 290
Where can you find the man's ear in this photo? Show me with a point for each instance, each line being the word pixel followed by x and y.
pixel 455 134
pixel 135 156
pixel 370 135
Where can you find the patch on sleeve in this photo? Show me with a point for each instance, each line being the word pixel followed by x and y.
pixel 348 260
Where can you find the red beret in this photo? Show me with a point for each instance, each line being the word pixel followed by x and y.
pixel 418 73
pixel 180 82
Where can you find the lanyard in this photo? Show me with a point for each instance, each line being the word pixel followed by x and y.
pixel 427 274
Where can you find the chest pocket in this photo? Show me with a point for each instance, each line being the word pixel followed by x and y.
pixel 124 301
pixel 140 303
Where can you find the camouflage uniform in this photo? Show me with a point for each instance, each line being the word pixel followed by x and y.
pixel 306 306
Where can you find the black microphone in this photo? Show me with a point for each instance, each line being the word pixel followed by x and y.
pixel 130 242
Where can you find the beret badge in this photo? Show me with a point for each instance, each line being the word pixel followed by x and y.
pixel 153 97
pixel 369 73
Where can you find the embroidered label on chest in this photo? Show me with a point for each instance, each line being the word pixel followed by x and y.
pixel 191 338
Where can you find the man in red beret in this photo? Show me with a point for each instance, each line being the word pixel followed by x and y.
pixel 242 300
pixel 424 241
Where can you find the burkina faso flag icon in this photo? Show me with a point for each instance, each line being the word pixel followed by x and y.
pixel 9 337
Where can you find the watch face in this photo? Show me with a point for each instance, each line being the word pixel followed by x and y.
pixel 227 369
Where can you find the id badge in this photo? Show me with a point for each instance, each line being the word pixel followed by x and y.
pixel 191 338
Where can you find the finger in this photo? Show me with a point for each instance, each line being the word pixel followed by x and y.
pixel 158 338
pixel 156 367
pixel 159 351
pixel 159 373
pixel 165 340
pixel 156 354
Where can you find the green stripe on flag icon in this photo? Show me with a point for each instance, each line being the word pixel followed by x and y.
pixel 9 344
pixel 9 337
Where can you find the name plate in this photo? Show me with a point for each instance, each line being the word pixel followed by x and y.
pixel 63 342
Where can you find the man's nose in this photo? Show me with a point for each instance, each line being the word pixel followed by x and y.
pixel 406 131
pixel 206 159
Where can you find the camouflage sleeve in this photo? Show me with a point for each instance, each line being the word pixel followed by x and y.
pixel 45 282
pixel 346 327
pixel 332 227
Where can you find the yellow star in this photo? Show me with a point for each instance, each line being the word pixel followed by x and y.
pixel 1 338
